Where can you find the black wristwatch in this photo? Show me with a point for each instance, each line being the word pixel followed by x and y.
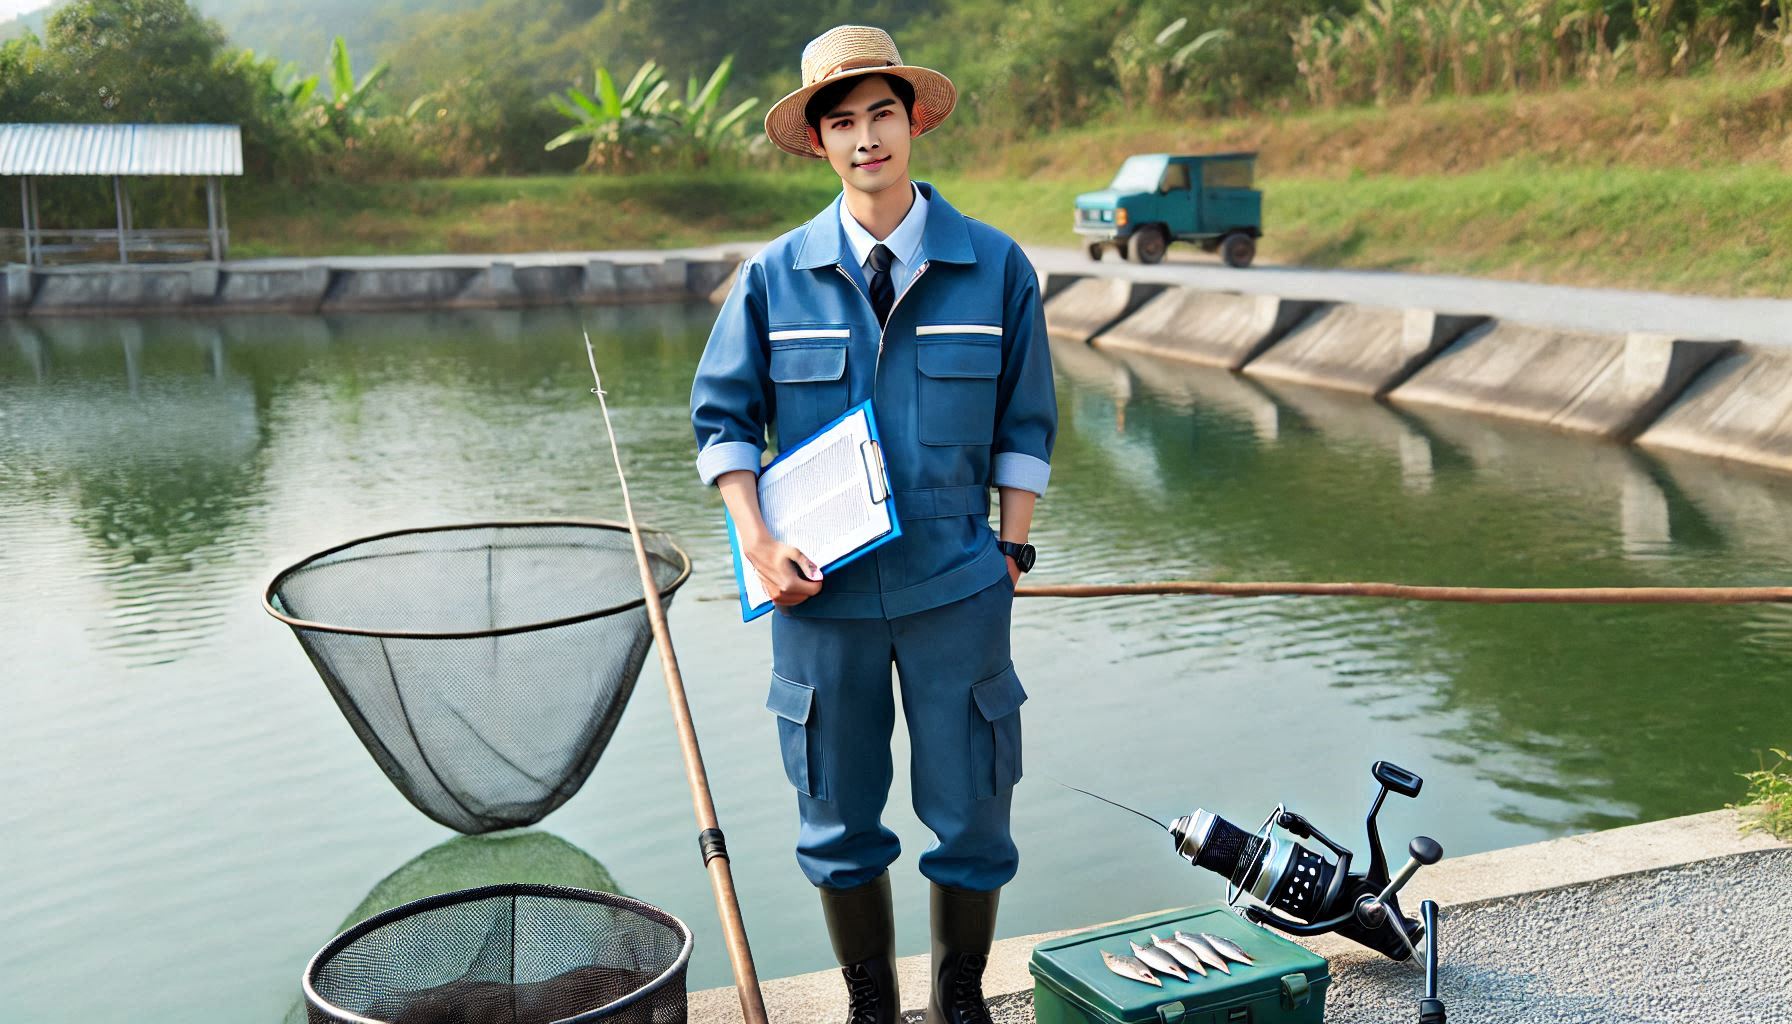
pixel 1023 554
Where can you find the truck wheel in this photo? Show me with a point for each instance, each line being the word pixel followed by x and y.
pixel 1238 249
pixel 1095 251
pixel 1147 245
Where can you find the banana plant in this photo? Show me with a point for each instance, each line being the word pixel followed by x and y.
pixel 696 112
pixel 618 125
pixel 349 99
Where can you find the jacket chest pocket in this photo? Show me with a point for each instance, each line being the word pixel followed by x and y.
pixel 808 372
pixel 956 389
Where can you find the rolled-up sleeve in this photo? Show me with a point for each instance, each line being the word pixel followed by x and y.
pixel 731 395
pixel 1026 400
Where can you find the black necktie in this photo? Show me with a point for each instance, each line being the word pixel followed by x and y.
pixel 883 293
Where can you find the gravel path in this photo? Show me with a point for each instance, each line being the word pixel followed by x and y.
pixel 1709 942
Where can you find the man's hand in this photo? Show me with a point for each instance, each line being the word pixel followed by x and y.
pixel 776 563
pixel 1013 570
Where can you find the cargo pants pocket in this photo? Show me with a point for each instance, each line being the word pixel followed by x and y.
pixel 794 704
pixel 995 732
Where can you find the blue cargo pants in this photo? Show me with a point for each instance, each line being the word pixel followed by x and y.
pixel 831 694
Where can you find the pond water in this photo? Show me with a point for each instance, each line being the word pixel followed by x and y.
pixel 188 817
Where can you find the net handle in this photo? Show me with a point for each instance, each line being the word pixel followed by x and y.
pixel 269 594
pixel 715 857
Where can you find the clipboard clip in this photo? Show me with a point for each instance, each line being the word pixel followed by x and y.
pixel 872 454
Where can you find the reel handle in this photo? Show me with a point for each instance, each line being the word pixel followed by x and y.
pixel 1425 851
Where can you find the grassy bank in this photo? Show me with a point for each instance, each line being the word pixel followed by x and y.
pixel 1679 186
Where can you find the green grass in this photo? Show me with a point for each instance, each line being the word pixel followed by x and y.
pixel 1769 801
pixel 1674 229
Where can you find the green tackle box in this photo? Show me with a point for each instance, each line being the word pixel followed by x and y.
pixel 1072 985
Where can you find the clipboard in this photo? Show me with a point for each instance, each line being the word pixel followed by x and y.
pixel 876 491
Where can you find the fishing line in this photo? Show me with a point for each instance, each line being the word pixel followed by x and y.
pixel 1116 803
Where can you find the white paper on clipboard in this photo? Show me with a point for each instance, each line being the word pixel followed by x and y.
pixel 824 498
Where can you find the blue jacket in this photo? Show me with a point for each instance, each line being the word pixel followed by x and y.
pixel 962 390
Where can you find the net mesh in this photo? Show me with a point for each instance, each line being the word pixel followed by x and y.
pixel 484 667
pixel 505 954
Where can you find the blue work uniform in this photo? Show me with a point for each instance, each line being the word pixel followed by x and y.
pixel 960 379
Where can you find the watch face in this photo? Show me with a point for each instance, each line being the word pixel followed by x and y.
pixel 1025 559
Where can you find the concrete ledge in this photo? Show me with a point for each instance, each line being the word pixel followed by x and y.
pixel 1608 385
pixel 1363 349
pixel 297 290
pixel 1084 308
pixel 396 288
pixel 1740 409
pixel 1476 878
pixel 124 289
pixel 1223 329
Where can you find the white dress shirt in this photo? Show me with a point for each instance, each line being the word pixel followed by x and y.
pixel 903 243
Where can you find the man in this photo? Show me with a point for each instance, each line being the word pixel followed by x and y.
pixel 890 294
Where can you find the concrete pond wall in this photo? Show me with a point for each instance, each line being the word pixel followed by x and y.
pixel 1712 397
pixel 325 286
pixel 1709 396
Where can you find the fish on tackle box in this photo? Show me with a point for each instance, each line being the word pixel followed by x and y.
pixel 1198 965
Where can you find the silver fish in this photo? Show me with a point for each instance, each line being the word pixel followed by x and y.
pixel 1184 956
pixel 1127 967
pixel 1228 949
pixel 1209 956
pixel 1158 960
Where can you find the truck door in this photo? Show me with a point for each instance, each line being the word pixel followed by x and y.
pixel 1227 199
pixel 1176 200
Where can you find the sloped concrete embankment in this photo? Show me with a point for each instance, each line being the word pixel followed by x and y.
pixel 1609 385
pixel 1080 310
pixel 1708 396
pixel 323 286
pixel 1222 329
pixel 1368 350
pixel 1739 409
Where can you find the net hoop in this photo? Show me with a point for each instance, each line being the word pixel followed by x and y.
pixel 271 593
pixel 483 892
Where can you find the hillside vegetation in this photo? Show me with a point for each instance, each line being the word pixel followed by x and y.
pixel 1600 141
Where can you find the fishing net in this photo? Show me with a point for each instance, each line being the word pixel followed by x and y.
pixel 483 666
pixel 505 954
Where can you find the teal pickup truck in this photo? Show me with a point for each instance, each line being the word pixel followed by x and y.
pixel 1158 198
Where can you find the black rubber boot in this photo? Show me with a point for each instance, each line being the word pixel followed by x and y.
pixel 862 927
pixel 964 925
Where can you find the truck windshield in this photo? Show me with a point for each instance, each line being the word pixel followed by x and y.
pixel 1139 174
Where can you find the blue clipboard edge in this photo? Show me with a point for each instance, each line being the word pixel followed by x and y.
pixel 747 612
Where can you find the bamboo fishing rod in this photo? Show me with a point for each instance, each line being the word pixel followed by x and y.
pixel 1412 592
pixel 709 837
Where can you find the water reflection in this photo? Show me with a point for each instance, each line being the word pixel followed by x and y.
pixel 1568 710
pixel 467 862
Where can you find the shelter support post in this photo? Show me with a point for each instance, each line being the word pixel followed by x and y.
pixel 118 201
pixel 25 210
pixel 211 213
pixel 223 224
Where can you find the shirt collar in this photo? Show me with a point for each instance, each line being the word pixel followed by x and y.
pixel 902 242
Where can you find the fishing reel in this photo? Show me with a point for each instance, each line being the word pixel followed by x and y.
pixel 1301 891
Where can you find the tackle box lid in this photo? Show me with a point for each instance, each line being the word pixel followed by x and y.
pixel 1071 966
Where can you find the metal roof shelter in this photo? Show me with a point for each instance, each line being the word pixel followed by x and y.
pixel 30 151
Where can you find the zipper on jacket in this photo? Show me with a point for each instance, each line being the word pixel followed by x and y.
pixel 883 328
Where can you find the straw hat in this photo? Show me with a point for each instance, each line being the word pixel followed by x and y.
pixel 846 51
